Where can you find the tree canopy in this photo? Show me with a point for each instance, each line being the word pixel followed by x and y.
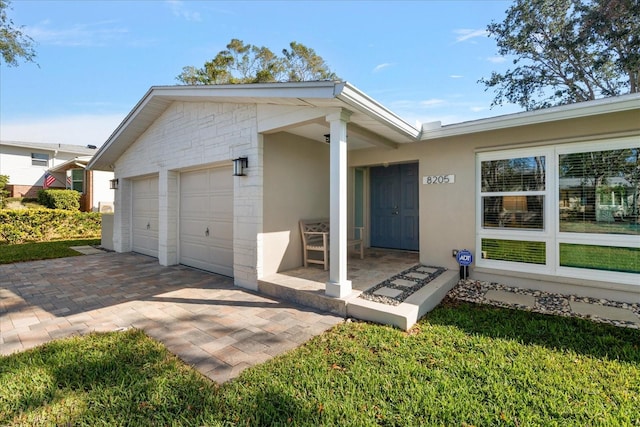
pixel 246 63
pixel 14 44
pixel 567 51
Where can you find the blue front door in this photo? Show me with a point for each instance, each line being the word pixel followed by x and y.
pixel 394 207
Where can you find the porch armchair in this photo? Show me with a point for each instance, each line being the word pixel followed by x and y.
pixel 315 238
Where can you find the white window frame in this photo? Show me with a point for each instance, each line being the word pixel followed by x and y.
pixel 551 234
pixel 543 235
pixel 73 181
pixel 39 162
pixel 621 240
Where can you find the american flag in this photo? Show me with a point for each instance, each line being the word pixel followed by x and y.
pixel 48 180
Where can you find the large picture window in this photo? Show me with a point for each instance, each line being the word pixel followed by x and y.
pixel 599 191
pixel 571 210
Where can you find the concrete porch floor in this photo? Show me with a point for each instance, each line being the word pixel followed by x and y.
pixel 377 265
pixel 306 286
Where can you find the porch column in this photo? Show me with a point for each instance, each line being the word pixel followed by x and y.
pixel 338 286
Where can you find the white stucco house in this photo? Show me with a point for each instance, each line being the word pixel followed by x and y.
pixel 27 164
pixel 517 190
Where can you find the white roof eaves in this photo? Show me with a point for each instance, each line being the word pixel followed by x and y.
pixel 48 146
pixel 357 99
pixel 562 112
pixel 80 162
pixel 95 161
pixel 305 92
pixel 162 96
pixel 316 89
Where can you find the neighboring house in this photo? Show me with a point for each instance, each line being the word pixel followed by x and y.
pixel 28 163
pixel 497 186
pixel 95 186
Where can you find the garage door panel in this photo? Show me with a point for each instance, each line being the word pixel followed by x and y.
pixel 144 221
pixel 222 232
pixel 206 219
pixel 194 228
pixel 193 203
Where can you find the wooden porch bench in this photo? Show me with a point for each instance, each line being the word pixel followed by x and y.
pixel 315 238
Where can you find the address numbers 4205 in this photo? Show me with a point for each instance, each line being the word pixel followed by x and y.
pixel 439 179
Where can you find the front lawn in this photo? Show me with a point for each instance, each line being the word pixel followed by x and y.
pixel 42 250
pixel 461 365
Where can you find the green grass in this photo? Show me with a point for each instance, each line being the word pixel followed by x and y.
pixel 42 250
pixel 461 365
pixel 515 250
pixel 609 258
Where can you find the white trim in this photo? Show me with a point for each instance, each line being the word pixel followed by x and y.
pixel 563 112
pixel 338 285
pixel 552 236
pixel 363 103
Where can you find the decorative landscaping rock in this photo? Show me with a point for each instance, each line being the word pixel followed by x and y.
pixel 547 303
pixel 396 289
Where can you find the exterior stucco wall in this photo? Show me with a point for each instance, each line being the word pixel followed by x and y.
pixel 448 211
pixel 296 186
pixel 101 191
pixel 189 135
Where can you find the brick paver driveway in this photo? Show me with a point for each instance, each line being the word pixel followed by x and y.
pixel 210 324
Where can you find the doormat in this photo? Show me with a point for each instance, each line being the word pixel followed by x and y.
pixel 398 288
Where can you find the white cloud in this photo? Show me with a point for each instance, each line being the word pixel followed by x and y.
pixel 477 109
pixel 468 34
pixel 178 9
pixel 74 129
pixel 496 59
pixel 381 67
pixel 455 76
pixel 434 102
pixel 91 34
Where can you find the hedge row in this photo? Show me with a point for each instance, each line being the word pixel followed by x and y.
pixel 60 199
pixel 40 225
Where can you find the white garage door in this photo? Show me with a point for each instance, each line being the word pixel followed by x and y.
pixel 206 219
pixel 145 216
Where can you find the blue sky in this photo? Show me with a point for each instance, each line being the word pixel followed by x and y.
pixel 96 59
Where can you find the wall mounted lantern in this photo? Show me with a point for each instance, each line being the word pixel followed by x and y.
pixel 239 165
pixel 113 184
pixel 327 138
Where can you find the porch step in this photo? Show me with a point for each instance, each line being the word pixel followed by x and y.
pixel 407 313
pixel 301 291
pixel 305 292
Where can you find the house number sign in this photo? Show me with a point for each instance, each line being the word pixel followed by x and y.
pixel 439 179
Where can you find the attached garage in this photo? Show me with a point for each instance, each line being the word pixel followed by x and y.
pixel 206 219
pixel 144 230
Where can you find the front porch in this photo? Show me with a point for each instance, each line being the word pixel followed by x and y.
pixel 306 286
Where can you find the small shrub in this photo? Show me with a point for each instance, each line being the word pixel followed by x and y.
pixel 37 225
pixel 60 199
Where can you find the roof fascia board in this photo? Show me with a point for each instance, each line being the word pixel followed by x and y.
pixel 363 103
pixel 121 127
pixel 563 112
pixel 47 146
pixel 321 89
pixel 69 164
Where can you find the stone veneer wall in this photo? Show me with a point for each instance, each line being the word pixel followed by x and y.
pixel 189 135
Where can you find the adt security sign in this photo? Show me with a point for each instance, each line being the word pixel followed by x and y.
pixel 464 258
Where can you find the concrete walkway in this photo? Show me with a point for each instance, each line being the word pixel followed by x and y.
pixel 210 324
